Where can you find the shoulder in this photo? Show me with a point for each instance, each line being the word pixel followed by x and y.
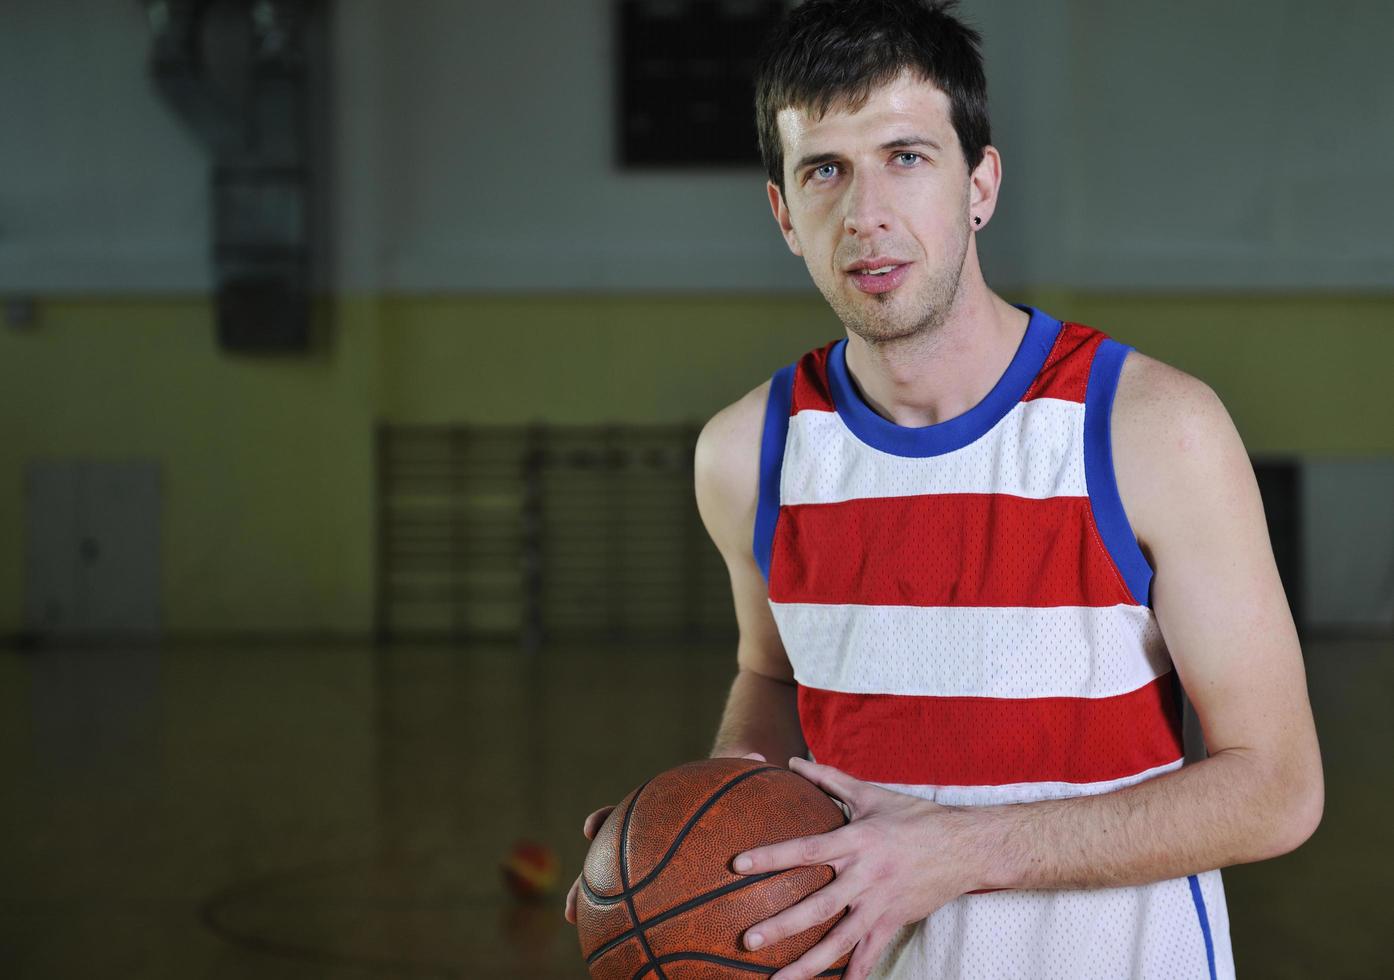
pixel 736 426
pixel 1176 451
pixel 1155 400
pixel 726 468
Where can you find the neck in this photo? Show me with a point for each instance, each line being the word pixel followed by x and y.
pixel 934 376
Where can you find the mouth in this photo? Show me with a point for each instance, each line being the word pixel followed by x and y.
pixel 878 275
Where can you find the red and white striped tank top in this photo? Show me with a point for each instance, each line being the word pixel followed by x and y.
pixel 967 614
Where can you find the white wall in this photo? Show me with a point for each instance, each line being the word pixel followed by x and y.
pixel 99 188
pixel 1147 145
pixel 1231 144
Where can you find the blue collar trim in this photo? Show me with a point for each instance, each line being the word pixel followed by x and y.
pixel 955 433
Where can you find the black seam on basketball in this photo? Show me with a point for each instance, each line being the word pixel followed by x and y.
pixel 602 899
pixel 692 820
pixel 736 964
pixel 624 882
pixel 740 964
pixel 690 904
pixel 673 848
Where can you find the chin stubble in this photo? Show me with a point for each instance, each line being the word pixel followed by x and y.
pixel 879 331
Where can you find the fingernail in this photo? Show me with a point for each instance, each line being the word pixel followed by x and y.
pixel 742 864
pixel 754 940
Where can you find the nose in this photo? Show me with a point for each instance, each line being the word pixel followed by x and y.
pixel 868 206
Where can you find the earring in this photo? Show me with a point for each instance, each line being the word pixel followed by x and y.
pixel 977 220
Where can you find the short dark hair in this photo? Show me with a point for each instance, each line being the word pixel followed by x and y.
pixel 835 52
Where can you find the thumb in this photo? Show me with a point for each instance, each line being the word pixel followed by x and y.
pixel 835 782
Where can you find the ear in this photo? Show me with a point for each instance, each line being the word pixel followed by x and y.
pixel 781 217
pixel 983 184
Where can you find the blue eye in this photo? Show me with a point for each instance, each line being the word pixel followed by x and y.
pixel 909 154
pixel 826 166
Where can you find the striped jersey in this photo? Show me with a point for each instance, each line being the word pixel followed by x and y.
pixel 967 613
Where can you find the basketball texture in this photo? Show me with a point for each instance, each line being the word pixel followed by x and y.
pixel 658 898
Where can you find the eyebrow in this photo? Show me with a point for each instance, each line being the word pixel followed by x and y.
pixel 903 142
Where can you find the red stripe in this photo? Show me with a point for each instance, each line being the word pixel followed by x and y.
pixel 957 741
pixel 1065 373
pixel 960 549
pixel 811 389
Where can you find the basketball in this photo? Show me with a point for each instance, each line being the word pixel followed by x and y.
pixel 657 889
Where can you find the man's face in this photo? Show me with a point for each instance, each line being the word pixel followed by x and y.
pixel 887 185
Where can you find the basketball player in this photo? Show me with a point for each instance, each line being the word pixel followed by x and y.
pixel 977 554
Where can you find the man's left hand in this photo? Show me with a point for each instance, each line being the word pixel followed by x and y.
pixel 895 862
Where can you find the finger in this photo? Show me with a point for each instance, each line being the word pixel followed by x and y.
pixel 835 781
pixel 839 941
pixel 592 825
pixel 794 853
pixel 822 905
pixel 866 955
pixel 570 913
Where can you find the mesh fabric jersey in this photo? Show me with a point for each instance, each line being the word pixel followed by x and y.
pixel 966 610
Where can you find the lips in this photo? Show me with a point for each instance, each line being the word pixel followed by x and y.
pixel 877 274
pixel 874 262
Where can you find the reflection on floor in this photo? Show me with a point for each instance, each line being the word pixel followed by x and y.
pixel 295 812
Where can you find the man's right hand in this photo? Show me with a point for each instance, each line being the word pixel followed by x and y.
pixel 588 828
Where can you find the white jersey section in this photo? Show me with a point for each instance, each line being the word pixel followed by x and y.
pixel 963 651
pixel 1036 450
pixel 1068 935
pixel 1024 792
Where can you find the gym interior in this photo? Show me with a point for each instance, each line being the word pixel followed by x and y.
pixel 346 476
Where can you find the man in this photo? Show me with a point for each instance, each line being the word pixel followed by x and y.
pixel 975 554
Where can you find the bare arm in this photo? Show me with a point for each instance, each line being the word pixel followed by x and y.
pixel 761 710
pixel 761 716
pixel 1191 496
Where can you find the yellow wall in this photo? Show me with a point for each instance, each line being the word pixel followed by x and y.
pixel 267 463
pixel 1300 374
pixel 267 467
pixel 589 359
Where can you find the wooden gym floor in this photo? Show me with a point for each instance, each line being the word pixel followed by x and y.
pixel 285 811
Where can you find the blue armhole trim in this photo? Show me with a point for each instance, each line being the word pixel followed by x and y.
pixel 771 462
pixel 1099 479
pixel 1204 923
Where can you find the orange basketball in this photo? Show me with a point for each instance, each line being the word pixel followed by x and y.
pixel 658 897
